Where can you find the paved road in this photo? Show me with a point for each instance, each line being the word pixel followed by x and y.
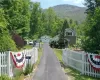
pixel 49 67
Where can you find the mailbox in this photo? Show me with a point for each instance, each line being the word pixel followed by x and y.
pixel 28 57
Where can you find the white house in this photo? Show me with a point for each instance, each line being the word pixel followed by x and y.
pixel 45 39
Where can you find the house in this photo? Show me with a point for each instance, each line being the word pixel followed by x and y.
pixel 45 39
pixel 70 35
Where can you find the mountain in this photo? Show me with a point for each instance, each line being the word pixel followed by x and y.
pixel 69 11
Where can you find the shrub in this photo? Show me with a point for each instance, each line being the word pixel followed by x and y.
pixel 4 77
pixel 6 43
pixel 59 43
pixel 18 40
pixel 28 69
pixel 21 77
pixel 18 73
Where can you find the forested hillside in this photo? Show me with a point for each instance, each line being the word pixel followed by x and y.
pixel 70 11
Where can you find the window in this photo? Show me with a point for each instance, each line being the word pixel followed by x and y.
pixel 69 33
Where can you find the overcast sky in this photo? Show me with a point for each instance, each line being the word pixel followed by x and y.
pixel 49 3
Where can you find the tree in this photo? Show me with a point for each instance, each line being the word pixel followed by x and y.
pixel 73 24
pixel 76 22
pixel 65 25
pixel 18 15
pixel 6 41
pixel 15 16
pixel 71 21
pixel 92 4
pixel 35 19
pixel 3 22
pixel 90 40
pixel 59 24
pixel 42 25
pixel 50 17
pixel 53 23
pixel 62 34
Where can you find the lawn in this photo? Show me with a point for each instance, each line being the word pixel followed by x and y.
pixel 28 46
pixel 72 73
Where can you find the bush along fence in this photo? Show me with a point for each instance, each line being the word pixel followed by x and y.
pixel 10 61
pixel 86 63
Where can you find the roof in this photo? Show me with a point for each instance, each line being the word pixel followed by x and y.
pixel 70 30
pixel 45 36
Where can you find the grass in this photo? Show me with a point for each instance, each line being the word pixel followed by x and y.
pixel 40 54
pixel 58 53
pixel 72 73
pixel 28 46
pixel 21 77
pixel 25 47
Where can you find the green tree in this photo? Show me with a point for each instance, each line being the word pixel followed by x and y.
pixel 42 25
pixel 65 25
pixel 5 39
pixel 62 34
pixel 90 40
pixel 50 17
pixel 73 24
pixel 3 22
pixel 59 24
pixel 70 21
pixel 76 22
pixel 35 19
pixel 53 23
pixel 91 4
pixel 18 15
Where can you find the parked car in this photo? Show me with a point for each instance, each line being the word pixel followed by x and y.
pixel 31 43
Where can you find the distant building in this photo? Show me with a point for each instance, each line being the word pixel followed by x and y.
pixel 70 35
pixel 45 39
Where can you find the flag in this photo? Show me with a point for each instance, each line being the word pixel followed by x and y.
pixel 94 61
pixel 18 59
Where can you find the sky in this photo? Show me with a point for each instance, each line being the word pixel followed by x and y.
pixel 49 3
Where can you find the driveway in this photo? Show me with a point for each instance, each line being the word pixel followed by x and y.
pixel 49 67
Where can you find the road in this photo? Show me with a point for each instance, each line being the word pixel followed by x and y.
pixel 49 67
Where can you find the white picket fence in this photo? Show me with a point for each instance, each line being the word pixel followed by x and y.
pixel 79 61
pixel 6 65
pixel 33 53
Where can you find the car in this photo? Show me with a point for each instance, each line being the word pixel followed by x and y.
pixel 31 43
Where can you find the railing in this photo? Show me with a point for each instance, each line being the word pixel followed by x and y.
pixel 79 61
pixel 6 63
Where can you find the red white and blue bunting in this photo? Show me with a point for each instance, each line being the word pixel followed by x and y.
pixel 18 59
pixel 94 61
